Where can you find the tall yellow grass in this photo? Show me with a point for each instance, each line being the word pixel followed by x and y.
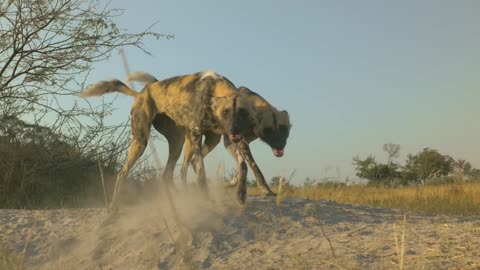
pixel 450 199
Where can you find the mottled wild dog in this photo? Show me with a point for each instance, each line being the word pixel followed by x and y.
pixel 271 126
pixel 193 103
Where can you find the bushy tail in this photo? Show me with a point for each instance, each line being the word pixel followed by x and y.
pixel 142 77
pixel 105 87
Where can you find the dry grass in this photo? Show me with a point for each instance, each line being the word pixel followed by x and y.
pixel 451 199
pixel 400 248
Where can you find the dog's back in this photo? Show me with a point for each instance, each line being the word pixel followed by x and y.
pixel 187 98
pixel 260 103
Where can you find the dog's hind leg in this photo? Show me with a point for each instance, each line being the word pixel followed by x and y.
pixel 140 124
pixel 135 150
pixel 175 136
pixel 174 150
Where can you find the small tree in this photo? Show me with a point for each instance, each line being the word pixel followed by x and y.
pixel 392 150
pixel 427 164
pixel 474 174
pixel 48 46
pixel 461 167
pixel 47 51
pixel 375 172
pixel 275 181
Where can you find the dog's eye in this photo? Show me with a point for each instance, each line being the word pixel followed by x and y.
pixel 242 112
pixel 226 111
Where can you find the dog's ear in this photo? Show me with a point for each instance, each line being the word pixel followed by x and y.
pixel 285 117
pixel 243 89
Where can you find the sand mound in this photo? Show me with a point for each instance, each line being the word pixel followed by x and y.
pixel 218 234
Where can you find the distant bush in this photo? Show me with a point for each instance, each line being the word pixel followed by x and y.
pixel 426 167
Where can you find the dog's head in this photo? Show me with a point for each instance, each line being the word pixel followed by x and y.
pixel 234 115
pixel 274 129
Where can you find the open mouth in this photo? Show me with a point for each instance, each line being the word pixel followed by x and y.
pixel 234 136
pixel 278 152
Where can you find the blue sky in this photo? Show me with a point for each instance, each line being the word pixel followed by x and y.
pixel 352 74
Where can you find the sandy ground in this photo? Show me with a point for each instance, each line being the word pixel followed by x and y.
pixel 218 234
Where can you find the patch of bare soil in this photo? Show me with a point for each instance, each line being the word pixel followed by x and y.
pixel 218 234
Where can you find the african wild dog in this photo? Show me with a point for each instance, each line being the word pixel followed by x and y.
pixel 194 103
pixel 271 126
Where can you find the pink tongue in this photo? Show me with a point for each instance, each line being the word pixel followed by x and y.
pixel 235 136
pixel 278 152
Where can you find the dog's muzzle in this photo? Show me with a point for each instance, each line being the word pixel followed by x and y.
pixel 278 152
pixel 234 137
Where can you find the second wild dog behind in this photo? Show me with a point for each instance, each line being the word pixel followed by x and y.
pixel 194 102
pixel 271 126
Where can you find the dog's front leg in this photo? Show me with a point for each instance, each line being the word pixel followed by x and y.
pixel 232 150
pixel 210 142
pixel 196 143
pixel 262 184
pixel 240 178
pixel 187 158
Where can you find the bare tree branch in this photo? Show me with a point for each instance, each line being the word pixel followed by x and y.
pixel 46 53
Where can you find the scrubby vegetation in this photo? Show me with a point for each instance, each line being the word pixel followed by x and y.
pixel 50 141
pixel 427 182
pixel 426 167
pixel 450 199
pixel 42 169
